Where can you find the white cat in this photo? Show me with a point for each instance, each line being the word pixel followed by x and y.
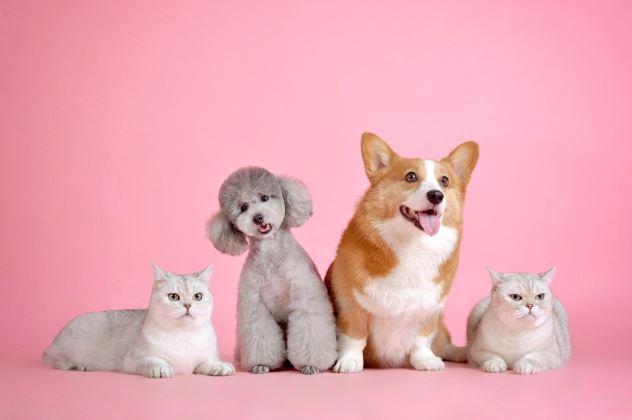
pixel 173 336
pixel 522 326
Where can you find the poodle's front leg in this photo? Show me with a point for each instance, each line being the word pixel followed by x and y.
pixel 311 332
pixel 261 344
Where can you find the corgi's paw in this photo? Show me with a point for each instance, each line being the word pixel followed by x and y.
pixel 215 369
pixel 159 370
pixel 349 363
pixel 426 362
pixel 527 367
pixel 494 366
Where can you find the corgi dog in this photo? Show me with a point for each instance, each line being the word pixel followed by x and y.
pixel 397 258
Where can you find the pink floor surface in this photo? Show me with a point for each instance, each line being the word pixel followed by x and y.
pixel 585 389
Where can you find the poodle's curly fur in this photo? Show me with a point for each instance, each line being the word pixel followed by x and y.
pixel 283 310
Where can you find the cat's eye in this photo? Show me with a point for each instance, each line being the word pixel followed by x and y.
pixel 515 297
pixel 173 297
pixel 197 296
pixel 411 177
pixel 540 296
pixel 444 180
pixel 264 198
pixel 244 207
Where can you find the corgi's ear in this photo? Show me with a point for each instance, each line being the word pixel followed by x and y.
pixel 225 236
pixel 376 154
pixel 298 201
pixel 463 159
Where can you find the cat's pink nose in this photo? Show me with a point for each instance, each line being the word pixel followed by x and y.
pixel 529 305
pixel 188 305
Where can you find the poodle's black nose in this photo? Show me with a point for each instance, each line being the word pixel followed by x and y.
pixel 258 219
pixel 435 196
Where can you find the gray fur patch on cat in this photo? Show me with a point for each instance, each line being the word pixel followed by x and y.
pixel 283 309
pixel 521 326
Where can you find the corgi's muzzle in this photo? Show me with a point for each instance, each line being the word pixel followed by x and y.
pixel 428 220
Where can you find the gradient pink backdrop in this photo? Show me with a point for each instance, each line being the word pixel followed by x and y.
pixel 119 120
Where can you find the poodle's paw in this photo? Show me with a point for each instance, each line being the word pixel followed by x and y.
pixel 349 363
pixel 63 365
pixel 527 367
pixel 428 362
pixel 494 366
pixel 259 369
pixel 215 369
pixel 310 370
pixel 159 370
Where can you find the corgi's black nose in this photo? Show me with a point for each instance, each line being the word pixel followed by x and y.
pixel 258 219
pixel 435 196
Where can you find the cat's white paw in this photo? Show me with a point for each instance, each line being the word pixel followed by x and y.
pixel 426 362
pixel 215 369
pixel 495 366
pixel 349 363
pixel 527 367
pixel 159 371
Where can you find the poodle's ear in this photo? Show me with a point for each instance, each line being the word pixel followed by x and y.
pixel 225 236
pixel 298 201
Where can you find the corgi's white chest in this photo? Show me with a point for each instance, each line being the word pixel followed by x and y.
pixel 411 288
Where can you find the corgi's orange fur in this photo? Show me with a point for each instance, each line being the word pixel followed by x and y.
pixel 397 258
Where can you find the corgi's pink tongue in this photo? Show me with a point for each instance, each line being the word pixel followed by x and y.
pixel 429 222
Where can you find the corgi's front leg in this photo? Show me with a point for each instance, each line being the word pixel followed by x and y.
pixel 353 330
pixel 421 356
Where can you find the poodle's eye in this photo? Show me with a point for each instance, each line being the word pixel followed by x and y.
pixel 515 297
pixel 264 198
pixel 197 296
pixel 444 180
pixel 540 296
pixel 244 207
pixel 173 297
pixel 411 177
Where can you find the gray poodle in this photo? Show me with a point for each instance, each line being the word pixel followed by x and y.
pixel 281 295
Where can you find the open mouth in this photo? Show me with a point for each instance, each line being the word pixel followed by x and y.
pixel 428 220
pixel 265 228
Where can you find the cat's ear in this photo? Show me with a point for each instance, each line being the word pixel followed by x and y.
pixel 548 276
pixel 225 236
pixel 463 159
pixel 496 277
pixel 205 275
pixel 160 275
pixel 298 201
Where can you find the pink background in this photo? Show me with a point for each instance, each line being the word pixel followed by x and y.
pixel 119 120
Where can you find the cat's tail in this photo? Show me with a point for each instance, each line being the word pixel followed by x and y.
pixel 453 353
pixel 444 348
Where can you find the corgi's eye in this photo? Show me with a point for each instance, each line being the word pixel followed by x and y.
pixel 540 296
pixel 197 296
pixel 264 198
pixel 445 181
pixel 515 297
pixel 173 297
pixel 244 207
pixel 411 177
